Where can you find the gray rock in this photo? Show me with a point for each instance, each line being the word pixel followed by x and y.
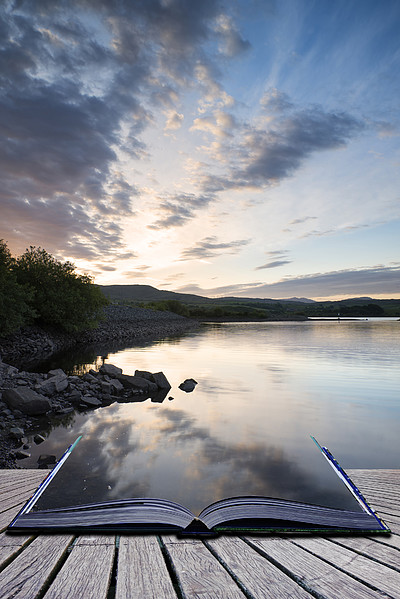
pixel 67 410
pixel 137 382
pixel 10 370
pixel 106 388
pixel 21 454
pixel 38 439
pixel 144 374
pixel 91 401
pixel 161 381
pixel 188 385
pixel 110 369
pixel 75 396
pixel 27 400
pixel 56 372
pixel 55 384
pixel 116 386
pixel 16 432
pixel 45 459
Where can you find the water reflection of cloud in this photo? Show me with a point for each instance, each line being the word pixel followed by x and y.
pixel 116 460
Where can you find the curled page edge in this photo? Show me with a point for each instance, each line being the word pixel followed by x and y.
pixel 348 482
pixel 45 483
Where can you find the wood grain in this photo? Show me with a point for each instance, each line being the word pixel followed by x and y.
pixel 377 575
pixel 142 571
pixel 262 579
pixel 86 572
pixel 28 574
pixel 200 575
pixel 311 571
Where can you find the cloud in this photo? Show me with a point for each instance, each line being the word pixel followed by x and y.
pixel 265 156
pixel 174 121
pixel 138 272
pixel 232 41
pixel 275 101
pixel 209 247
pixel 177 210
pixel 273 264
pixel 300 221
pixel 78 80
pixel 280 258
pixel 369 281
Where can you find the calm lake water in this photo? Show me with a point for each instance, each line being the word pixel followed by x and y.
pixel 263 388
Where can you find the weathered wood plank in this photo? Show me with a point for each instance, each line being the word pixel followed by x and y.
pixel 29 573
pixel 393 540
pixel 377 575
pixel 200 575
pixel 11 545
pixel 388 480
pixel 95 540
pixel 370 548
pixel 311 571
pixel 9 496
pixel 255 573
pixel 86 572
pixel 374 473
pixel 7 484
pixel 387 495
pixel 17 473
pixel 142 571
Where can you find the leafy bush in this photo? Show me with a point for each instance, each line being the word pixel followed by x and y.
pixel 62 298
pixel 37 287
pixel 15 299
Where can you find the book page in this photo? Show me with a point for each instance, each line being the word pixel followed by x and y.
pixel 96 473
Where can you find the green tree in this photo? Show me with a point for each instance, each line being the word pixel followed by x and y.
pixel 15 299
pixel 62 298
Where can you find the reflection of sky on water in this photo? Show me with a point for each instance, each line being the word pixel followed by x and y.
pixel 245 429
pixel 168 455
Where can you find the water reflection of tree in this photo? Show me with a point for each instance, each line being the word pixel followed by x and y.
pixel 47 426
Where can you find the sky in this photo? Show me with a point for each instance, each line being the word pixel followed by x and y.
pixel 240 148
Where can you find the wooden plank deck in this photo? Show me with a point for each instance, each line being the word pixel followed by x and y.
pixel 164 567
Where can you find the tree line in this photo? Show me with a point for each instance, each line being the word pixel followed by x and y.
pixel 35 288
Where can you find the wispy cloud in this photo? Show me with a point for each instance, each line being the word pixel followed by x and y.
pixel 210 247
pixel 178 209
pixel 277 258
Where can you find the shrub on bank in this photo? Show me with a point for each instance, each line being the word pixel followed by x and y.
pixel 16 300
pixel 46 291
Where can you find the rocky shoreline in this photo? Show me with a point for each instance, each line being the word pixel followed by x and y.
pixel 28 399
pixel 121 325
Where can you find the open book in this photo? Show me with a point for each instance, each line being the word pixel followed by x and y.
pixel 243 514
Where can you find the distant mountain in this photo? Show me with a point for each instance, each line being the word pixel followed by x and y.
pixel 301 300
pixel 357 306
pixel 147 293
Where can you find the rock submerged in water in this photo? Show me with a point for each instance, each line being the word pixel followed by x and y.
pixel 188 385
